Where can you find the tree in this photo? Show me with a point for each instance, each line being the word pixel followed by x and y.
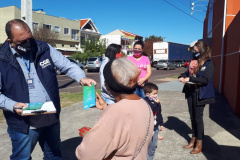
pixel 46 35
pixel 92 48
pixel 148 44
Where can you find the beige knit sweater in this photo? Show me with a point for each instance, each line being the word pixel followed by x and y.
pixel 119 133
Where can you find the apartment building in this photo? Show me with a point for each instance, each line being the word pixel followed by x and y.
pixel 124 38
pixel 68 31
pixel 88 30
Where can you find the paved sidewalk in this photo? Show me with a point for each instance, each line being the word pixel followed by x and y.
pixel 222 129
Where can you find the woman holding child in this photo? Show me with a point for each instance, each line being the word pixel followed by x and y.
pixel 125 128
pixel 198 89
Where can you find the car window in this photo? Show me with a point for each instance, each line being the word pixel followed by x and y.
pixel 71 60
pixel 92 59
pixel 162 61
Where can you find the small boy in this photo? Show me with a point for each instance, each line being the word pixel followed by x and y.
pixel 151 98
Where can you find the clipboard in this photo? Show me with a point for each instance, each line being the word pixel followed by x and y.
pixel 39 108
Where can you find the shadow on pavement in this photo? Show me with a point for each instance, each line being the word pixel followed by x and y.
pixel 212 150
pixel 173 123
pixel 69 146
pixel 221 113
pixel 67 84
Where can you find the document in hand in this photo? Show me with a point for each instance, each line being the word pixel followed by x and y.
pixel 89 96
pixel 39 108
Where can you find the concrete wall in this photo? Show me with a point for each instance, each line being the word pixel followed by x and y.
pixel 6 14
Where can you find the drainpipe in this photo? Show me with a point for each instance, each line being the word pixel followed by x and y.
pixel 222 51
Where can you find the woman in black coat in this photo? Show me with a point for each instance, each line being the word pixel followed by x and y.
pixel 198 89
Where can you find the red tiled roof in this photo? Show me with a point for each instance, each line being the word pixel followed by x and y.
pixel 83 21
pixel 129 34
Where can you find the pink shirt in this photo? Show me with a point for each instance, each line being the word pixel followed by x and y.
pixel 141 64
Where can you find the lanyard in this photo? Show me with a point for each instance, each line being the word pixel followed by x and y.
pixel 27 63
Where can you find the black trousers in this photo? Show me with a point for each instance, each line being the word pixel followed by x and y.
pixel 196 116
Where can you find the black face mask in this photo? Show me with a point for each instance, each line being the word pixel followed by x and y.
pixel 196 55
pixel 25 47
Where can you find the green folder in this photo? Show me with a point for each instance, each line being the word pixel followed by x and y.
pixel 34 106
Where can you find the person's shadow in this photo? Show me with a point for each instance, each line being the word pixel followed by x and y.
pixel 173 123
pixel 69 146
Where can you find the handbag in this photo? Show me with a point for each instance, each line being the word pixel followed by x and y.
pixel 145 139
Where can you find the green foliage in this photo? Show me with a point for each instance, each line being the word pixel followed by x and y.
pixel 148 44
pixel 1 116
pixel 92 48
pixel 155 38
pixel 68 99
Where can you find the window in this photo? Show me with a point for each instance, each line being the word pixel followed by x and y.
pixel 35 26
pixel 210 19
pixel 57 29
pixel 62 45
pixel 66 30
pixel 47 26
pixel 75 34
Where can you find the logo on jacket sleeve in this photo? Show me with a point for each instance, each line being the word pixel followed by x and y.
pixel 45 63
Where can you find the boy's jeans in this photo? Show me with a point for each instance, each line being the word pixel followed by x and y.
pixel 48 138
pixel 108 101
pixel 153 144
pixel 139 91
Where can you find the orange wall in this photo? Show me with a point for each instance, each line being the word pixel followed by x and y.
pixel 217 39
pixel 231 59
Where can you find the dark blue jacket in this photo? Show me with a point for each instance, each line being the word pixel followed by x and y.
pixel 206 90
pixel 205 79
pixel 14 84
pixel 157 110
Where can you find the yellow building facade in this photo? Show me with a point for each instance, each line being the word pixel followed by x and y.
pixel 68 30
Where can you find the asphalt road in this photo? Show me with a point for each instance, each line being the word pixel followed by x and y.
pixel 66 84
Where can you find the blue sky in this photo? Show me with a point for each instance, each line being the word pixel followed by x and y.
pixel 172 20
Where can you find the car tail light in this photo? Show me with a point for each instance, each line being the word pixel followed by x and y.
pixel 96 62
pixel 166 63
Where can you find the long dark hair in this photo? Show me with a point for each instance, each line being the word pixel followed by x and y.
pixel 205 52
pixel 139 43
pixel 112 50
pixel 142 44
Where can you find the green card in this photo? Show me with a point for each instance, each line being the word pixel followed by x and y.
pixel 89 96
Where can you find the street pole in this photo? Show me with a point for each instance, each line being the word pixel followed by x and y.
pixel 222 50
pixel 26 12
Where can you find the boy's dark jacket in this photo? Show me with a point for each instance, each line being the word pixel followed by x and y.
pixel 157 110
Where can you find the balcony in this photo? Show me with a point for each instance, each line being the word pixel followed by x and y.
pixel 127 47
pixel 75 37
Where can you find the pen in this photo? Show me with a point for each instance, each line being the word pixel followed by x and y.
pixel 17 108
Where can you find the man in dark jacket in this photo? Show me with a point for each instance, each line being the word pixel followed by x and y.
pixel 27 69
